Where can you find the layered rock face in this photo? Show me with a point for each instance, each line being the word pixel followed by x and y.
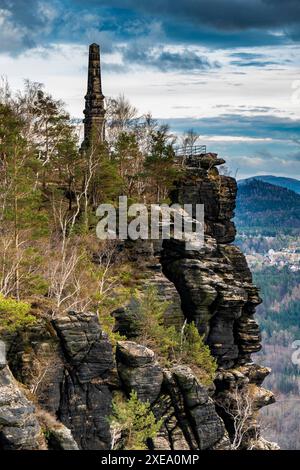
pixel 85 398
pixel 188 413
pixel 19 427
pixel 214 282
pixel 72 374
pixel 70 367
pixel 217 293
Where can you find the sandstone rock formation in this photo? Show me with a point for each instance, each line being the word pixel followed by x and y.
pixel 138 370
pixel 190 420
pixel 195 410
pixel 72 373
pixel 85 401
pixel 69 364
pixel 19 427
pixel 216 289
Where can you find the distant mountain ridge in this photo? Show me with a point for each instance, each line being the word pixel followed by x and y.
pixel 266 208
pixel 289 183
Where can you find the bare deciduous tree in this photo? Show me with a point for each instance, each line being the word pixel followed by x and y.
pixel 120 115
pixel 105 260
pixel 5 91
pixel 239 407
pixel 188 139
pixel 10 261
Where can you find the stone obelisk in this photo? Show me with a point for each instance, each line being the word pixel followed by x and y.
pixel 94 121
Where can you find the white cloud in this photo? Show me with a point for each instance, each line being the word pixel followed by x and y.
pixel 210 93
pixel 11 35
pixel 233 139
pixel 63 69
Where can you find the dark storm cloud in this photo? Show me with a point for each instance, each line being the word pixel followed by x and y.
pixel 237 125
pixel 254 63
pixel 24 12
pixel 165 60
pixel 247 55
pixel 227 23
pixel 24 24
pixel 227 15
pixel 272 144
pixel 219 15
pixel 248 59
pixel 216 23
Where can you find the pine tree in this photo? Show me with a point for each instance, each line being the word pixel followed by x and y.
pixel 20 195
pixel 160 171
pixel 135 420
pixel 130 160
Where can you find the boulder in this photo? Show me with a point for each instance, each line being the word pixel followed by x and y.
pixel 19 427
pixel 85 403
pixel 138 370
pixel 207 426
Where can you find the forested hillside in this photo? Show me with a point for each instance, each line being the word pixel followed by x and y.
pixel 267 219
pixel 267 209
pixel 279 319
pixel 288 183
pixel 50 189
pixel 109 343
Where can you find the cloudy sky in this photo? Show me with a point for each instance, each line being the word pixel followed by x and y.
pixel 230 69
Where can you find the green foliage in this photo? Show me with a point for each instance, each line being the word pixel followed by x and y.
pixel 14 314
pixel 267 209
pixel 129 160
pixel 33 282
pixel 280 294
pixel 107 305
pixel 135 420
pixel 195 352
pixel 107 183
pixel 50 190
pixel 20 199
pixel 107 323
pixel 171 345
pixel 150 324
pixel 103 284
pixel 10 129
pixel 159 166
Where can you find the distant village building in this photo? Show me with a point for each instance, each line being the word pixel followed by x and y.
pixel 94 121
